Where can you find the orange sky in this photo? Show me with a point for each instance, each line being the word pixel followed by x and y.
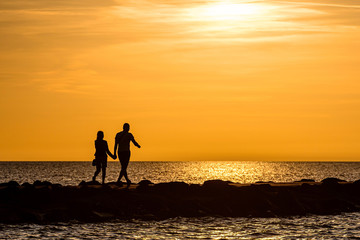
pixel 196 80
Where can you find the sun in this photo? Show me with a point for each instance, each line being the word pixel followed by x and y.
pixel 229 11
pixel 229 17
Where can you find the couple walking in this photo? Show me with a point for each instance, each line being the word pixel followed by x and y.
pixel 122 144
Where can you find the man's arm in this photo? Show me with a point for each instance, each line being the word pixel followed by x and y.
pixel 134 142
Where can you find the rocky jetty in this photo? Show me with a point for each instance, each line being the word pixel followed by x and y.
pixel 44 202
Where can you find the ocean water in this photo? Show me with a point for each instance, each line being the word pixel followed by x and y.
pixel 313 227
pixel 343 226
pixel 72 173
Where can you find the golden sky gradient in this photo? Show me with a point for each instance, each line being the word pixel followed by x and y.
pixel 196 80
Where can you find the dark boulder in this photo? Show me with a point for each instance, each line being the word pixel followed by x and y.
pixel 56 186
pixel 116 184
pixel 46 183
pixel 37 183
pixel 216 183
pixel 171 187
pixel 13 184
pixel 91 202
pixel 40 183
pixel 263 187
pixel 26 185
pixel 332 181
pixel 357 182
pixel 287 204
pixel 264 182
pixel 306 180
pixel 195 188
pixel 91 183
pixel 307 187
pixel 145 183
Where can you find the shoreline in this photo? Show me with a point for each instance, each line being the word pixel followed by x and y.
pixel 270 161
pixel 45 202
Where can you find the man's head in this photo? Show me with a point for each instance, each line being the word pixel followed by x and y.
pixel 126 127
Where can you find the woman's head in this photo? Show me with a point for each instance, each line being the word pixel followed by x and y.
pixel 100 135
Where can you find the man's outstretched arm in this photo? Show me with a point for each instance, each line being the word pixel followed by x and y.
pixel 134 142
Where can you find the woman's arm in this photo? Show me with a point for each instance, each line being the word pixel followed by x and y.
pixel 109 153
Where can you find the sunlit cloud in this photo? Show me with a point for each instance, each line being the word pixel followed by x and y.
pixel 314 3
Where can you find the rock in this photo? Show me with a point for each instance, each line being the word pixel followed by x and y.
pixel 306 180
pixel 332 181
pixel 40 183
pixel 13 184
pixel 26 185
pixel 90 183
pixel 56 186
pixel 195 188
pixel 357 182
pixel 265 186
pixel 288 204
pixel 116 184
pixel 174 199
pixel 171 187
pixel 216 183
pixel 37 183
pixel 145 183
pixel 264 182
pixel 82 183
pixel 46 183
pixel 306 186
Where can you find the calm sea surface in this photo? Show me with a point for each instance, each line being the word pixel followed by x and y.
pixel 71 173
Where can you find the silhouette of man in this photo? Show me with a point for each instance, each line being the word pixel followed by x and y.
pixel 122 143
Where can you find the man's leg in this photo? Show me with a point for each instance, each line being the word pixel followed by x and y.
pixel 121 174
pixel 124 158
pixel 126 163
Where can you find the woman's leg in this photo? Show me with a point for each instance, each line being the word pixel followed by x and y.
pixel 98 168
pixel 103 173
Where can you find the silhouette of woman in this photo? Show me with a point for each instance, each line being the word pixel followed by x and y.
pixel 102 150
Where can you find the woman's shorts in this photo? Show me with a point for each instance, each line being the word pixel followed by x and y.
pixel 101 162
